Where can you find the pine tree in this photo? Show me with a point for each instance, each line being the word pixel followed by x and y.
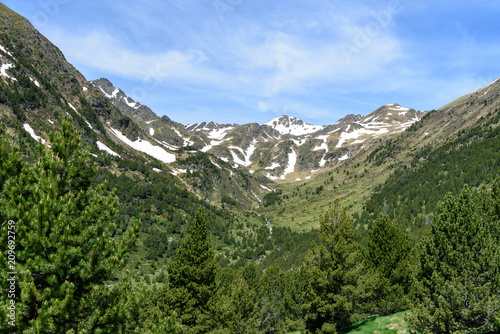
pixel 191 277
pixel 233 308
pixel 457 289
pixel 331 273
pixel 387 256
pixel 64 246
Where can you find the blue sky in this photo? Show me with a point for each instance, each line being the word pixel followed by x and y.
pixel 240 61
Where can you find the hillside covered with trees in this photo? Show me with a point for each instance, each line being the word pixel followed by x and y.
pixel 67 260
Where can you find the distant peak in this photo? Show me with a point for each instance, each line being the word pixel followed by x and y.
pixel 101 81
pixel 289 125
pixel 396 107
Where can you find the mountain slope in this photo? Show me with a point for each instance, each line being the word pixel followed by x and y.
pixel 467 137
pixel 354 181
pixel 287 148
pixel 208 176
pixel 156 184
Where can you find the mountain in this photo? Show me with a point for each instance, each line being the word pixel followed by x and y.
pixel 285 148
pixel 163 169
pixel 292 126
pixel 127 106
pixel 160 177
pixel 377 175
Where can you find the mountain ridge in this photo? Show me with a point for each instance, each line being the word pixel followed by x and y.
pixel 247 145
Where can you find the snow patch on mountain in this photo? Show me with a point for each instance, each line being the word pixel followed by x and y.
pixel 167 145
pixel 397 107
pixel 73 107
pixel 265 188
pixel 299 142
pixel 290 168
pixel 345 156
pixel 112 95
pixel 323 161
pixel 247 155
pixel 219 133
pixel 269 176
pixel 334 131
pixel 103 147
pixel 134 105
pixel 6 51
pixel 216 165
pixel 344 136
pixel 3 71
pixel 30 130
pixel 274 165
pixel 35 82
pixel 146 147
pixel 187 141
pixel 324 145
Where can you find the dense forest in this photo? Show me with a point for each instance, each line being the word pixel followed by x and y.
pixel 68 234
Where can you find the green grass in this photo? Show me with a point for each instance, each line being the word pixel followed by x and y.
pixel 394 323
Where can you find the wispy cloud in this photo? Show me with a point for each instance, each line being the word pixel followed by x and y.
pixel 306 58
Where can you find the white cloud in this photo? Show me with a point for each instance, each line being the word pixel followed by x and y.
pixel 103 52
pixel 300 58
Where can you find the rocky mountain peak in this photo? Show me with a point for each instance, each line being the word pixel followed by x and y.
pixel 351 118
pixel 287 125
pixel 126 104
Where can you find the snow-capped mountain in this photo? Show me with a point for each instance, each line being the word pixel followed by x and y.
pixel 284 148
pixel 287 147
pixel 287 125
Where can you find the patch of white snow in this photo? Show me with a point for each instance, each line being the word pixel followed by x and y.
pixel 247 155
pixel 290 168
pixel 7 52
pixel 134 105
pixel 219 133
pixel 345 156
pixel 103 147
pixel 265 188
pixel 146 147
pixel 30 130
pixel 273 165
pixel 324 145
pixel 3 71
